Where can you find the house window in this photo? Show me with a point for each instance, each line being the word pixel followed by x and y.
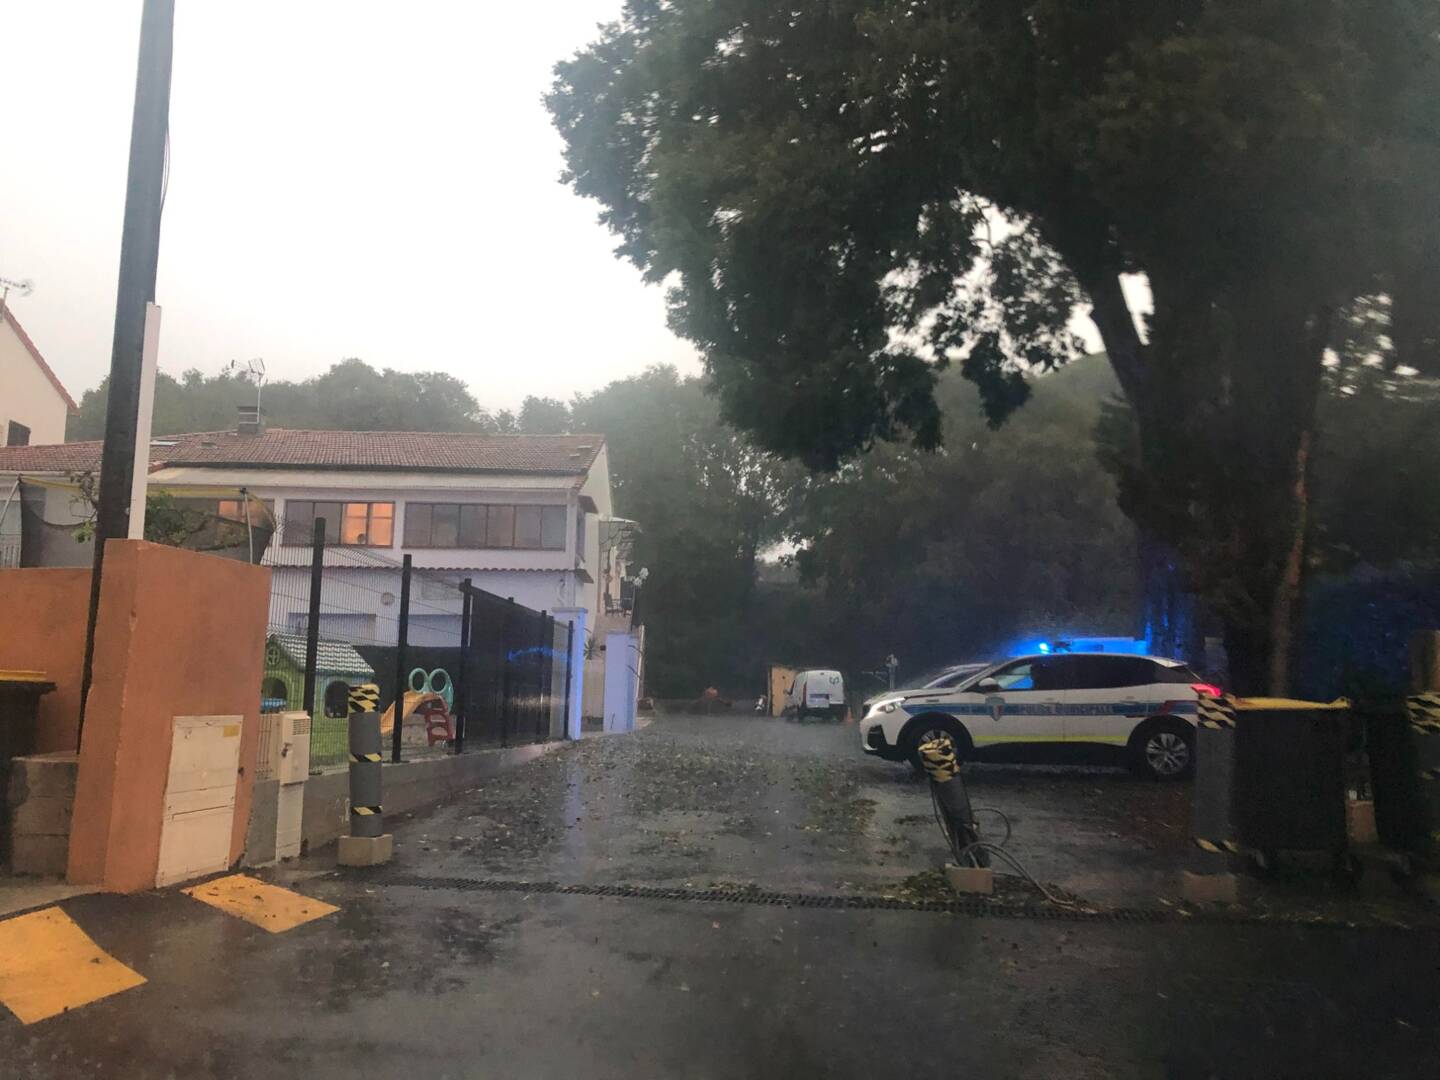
pixel 355 524
pixel 472 526
pixel 464 525
pixel 527 527
pixel 552 528
pixel 445 525
pixel 17 435
pixel 500 527
pixel 259 512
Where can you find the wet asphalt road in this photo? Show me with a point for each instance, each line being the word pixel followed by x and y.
pixel 737 800
pixel 408 981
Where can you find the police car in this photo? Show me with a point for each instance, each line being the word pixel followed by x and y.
pixel 1144 705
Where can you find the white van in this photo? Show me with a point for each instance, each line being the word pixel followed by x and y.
pixel 817 692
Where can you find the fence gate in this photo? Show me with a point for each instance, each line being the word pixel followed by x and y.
pixel 513 673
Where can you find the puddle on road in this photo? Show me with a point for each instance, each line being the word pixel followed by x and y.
pixel 384 948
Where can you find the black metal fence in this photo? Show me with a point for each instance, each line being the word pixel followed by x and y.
pixel 515 684
pixel 476 670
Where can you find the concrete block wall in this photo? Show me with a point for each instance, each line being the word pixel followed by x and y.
pixel 410 785
pixel 41 802
pixel 179 633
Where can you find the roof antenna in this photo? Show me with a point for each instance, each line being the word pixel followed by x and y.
pixel 253 370
pixel 24 286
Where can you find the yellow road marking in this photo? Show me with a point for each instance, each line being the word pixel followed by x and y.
pixel 48 965
pixel 267 906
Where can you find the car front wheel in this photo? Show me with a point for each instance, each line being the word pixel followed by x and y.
pixel 1165 750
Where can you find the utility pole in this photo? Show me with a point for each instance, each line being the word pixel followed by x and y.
pixel 139 259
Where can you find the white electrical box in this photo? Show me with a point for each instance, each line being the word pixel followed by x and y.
pixel 199 797
pixel 294 747
pixel 293 770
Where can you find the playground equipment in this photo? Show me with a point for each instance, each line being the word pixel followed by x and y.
pixel 428 706
pixel 437 681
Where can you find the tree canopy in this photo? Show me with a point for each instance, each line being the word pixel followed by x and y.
pixel 954 556
pixel 937 557
pixel 848 196
pixel 707 503
pixel 351 395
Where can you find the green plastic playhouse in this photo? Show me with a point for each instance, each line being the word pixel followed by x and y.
pixel 284 685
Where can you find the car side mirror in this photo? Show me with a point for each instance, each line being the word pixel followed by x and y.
pixel 987 686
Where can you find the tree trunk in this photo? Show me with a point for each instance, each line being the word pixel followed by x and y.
pixel 1224 399
pixel 1282 607
pixel 1112 317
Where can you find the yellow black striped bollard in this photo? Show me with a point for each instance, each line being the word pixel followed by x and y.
pixel 1210 876
pixel 365 794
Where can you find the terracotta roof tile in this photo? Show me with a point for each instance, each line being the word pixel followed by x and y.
pixel 64 457
pixel 288 448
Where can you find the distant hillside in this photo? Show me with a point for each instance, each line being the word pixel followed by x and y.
pixel 1081 386
pixel 1091 378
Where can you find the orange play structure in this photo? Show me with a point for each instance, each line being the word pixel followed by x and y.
pixel 426 705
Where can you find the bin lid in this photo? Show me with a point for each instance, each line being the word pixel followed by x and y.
pixel 21 675
pixel 1275 704
pixel 13 676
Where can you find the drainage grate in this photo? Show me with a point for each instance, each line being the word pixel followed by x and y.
pixel 957 906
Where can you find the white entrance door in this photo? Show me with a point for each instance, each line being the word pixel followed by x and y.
pixel 199 797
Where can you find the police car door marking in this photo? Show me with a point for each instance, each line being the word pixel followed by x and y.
pixel 994 707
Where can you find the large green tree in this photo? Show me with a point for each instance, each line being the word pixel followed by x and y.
pixel 351 395
pixel 848 195
pixel 707 503
pixel 952 556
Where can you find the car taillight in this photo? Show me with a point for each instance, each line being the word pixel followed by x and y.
pixel 1207 688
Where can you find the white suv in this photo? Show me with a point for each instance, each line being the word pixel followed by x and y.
pixel 1142 704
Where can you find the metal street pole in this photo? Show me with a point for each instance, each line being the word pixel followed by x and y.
pixel 139 258
pixel 402 641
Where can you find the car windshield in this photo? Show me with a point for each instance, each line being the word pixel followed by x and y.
pixel 944 677
pixel 957 675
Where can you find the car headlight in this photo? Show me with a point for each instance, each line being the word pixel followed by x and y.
pixel 887 706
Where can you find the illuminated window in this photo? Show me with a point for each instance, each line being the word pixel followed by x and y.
pixel 358 524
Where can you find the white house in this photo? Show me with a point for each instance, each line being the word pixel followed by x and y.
pixel 33 404
pixel 33 408
pixel 519 515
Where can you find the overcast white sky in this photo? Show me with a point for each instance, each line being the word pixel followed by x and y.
pixel 347 178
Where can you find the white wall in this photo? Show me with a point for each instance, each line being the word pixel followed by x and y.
pixel 59 511
pixel 622 680
pixel 597 487
pixel 363 604
pixel 26 394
